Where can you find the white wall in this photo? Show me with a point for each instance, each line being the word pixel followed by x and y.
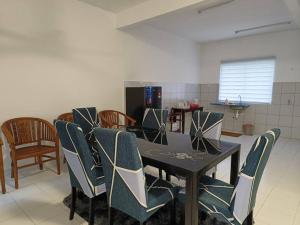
pixel 59 54
pixel 284 45
pixel 56 55
pixel 157 56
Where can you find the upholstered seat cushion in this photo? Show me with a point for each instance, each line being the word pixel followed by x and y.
pixel 234 204
pixel 215 188
pixel 214 199
pixel 160 192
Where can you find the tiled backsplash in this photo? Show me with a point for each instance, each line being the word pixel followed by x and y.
pixel 284 112
pixel 172 93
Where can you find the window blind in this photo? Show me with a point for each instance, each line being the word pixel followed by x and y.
pixel 251 80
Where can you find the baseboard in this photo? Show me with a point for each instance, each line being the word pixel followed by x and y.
pixel 231 134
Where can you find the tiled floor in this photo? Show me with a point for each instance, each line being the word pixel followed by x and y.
pixel 39 199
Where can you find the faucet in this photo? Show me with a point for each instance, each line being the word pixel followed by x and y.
pixel 240 99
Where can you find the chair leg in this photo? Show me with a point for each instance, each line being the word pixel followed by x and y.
pixel 213 175
pixel 173 212
pixel 15 173
pixel 250 219
pixel 2 176
pixel 58 162
pixel 73 203
pixel 168 177
pixel 40 162
pixel 110 216
pixel 91 211
pixel 12 169
pixel 160 174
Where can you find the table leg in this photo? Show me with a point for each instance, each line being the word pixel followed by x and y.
pixel 183 121
pixel 2 178
pixel 235 166
pixel 191 202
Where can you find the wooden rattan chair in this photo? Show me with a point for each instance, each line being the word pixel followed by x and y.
pixel 115 119
pixel 66 117
pixel 2 178
pixel 30 138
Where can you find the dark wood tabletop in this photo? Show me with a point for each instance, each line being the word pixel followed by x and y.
pixel 189 157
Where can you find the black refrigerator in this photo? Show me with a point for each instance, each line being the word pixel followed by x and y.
pixel 140 98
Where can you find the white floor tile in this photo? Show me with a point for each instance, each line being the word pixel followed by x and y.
pixel 9 211
pixel 39 199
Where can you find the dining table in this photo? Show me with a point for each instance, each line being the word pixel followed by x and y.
pixel 187 157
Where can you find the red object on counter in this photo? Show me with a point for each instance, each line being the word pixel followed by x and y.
pixel 194 106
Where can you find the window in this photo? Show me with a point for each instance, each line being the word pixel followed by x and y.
pixel 251 80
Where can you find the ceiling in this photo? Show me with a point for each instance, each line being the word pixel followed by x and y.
pixel 222 22
pixel 114 5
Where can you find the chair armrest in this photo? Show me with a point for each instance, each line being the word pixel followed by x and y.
pixel 131 120
pixel 128 119
pixel 8 136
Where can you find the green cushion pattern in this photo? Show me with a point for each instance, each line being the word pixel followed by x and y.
pixel 87 119
pixel 83 175
pixel 214 198
pixel 128 189
pixel 155 119
pixel 206 124
pixel 244 195
pixel 233 203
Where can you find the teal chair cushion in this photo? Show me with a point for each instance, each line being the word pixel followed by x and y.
pixel 206 124
pixel 217 188
pixel 83 174
pixel 215 196
pixel 87 119
pixel 160 192
pixel 128 189
pixel 233 204
pixel 155 119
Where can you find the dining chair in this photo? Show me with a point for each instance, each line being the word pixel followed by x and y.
pixel 115 119
pixel 207 125
pixel 30 137
pixel 66 117
pixel 128 188
pixel 234 204
pixel 2 177
pixel 155 119
pixel 87 119
pixel 83 176
pixel 158 137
